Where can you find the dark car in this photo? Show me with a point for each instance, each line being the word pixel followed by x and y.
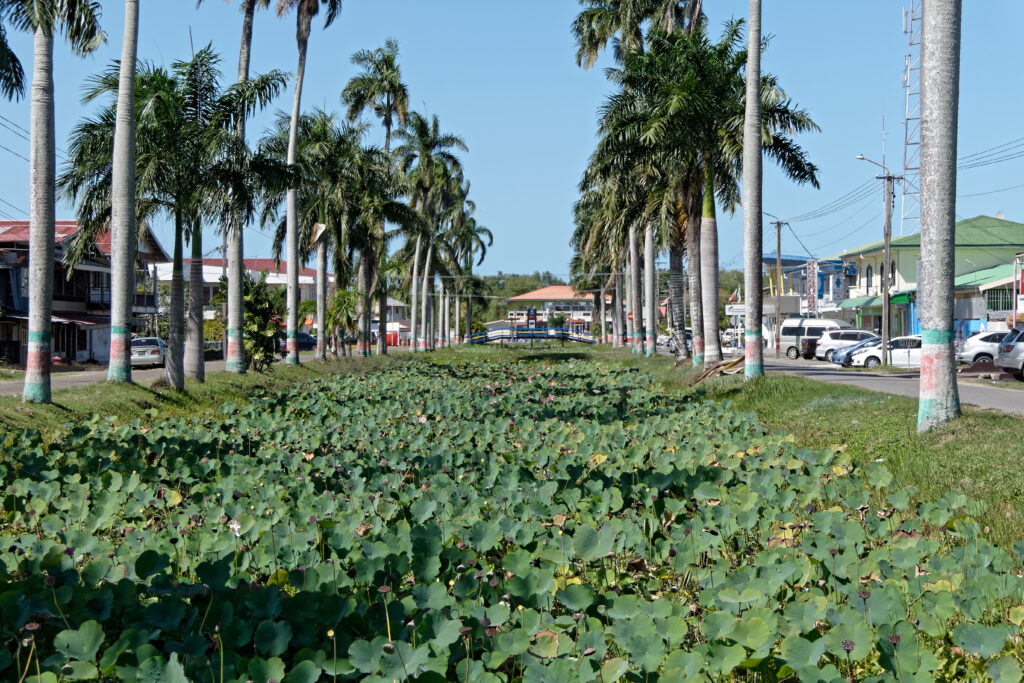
pixel 306 342
pixel 808 345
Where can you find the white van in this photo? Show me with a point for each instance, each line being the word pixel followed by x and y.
pixel 793 329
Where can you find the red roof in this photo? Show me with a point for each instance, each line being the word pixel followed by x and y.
pixel 552 293
pixel 17 231
pixel 259 265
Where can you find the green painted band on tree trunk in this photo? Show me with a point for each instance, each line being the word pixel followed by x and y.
pixel 36 392
pixel 698 361
pixel 753 370
pixel 119 373
pixel 38 337
pixel 752 335
pixel 292 334
pixel 117 329
pixel 933 336
pixel 292 360
pixel 232 332
pixel 235 366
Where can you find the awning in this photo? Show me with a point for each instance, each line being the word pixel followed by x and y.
pixel 862 302
pixel 73 317
pixel 872 301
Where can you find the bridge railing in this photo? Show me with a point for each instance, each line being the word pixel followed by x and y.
pixel 526 334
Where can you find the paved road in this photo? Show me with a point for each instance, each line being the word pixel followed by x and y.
pixel 904 384
pixel 65 380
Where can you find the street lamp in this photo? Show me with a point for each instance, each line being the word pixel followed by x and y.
pixel 889 178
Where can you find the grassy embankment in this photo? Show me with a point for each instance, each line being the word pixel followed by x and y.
pixel 979 455
pixel 125 402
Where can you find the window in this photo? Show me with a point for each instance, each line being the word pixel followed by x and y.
pixel 790 331
pixel 994 338
pixel 82 340
pixel 814 331
pixel 892 272
pixel 868 277
pixel 911 344
pixel 999 299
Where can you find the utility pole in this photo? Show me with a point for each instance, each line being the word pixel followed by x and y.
pixel 889 179
pixel 778 288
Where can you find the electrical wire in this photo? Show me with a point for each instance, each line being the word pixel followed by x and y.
pixel 981 194
pixel 13 206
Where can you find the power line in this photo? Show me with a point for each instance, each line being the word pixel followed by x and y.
pixel 13 206
pixel 980 194
pixel 14 153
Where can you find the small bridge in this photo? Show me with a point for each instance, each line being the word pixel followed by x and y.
pixel 520 334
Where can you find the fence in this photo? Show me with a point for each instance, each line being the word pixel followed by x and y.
pixel 526 334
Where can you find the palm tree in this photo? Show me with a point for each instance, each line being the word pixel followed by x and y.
pixel 940 92
pixel 12 76
pixel 122 219
pixel 305 11
pixel 184 122
pixel 78 20
pixel 234 224
pixel 379 87
pixel 325 164
pixel 425 156
pixel 752 245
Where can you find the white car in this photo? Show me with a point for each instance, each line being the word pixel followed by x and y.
pixel 904 352
pixel 979 346
pixel 148 351
pixel 832 340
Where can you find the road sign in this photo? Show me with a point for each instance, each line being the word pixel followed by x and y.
pixel 735 309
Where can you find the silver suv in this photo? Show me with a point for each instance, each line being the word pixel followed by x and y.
pixel 979 346
pixel 1011 353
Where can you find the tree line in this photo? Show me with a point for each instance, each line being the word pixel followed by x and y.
pixel 684 133
pixel 172 141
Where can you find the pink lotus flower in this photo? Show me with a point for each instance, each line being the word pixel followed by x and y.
pixel 423 419
pixel 551 397
pixel 235 527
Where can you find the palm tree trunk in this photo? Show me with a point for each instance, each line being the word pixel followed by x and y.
pixel 364 276
pixel 693 247
pixel 413 297
pixel 635 304
pixel 940 93
pixel 709 272
pixel 443 341
pixel 650 272
pixel 194 365
pixel 174 363
pixel 752 246
pixel 458 315
pixel 627 300
pixel 469 297
pixel 677 296
pixel 41 223
pixel 122 206
pixel 602 313
pixel 616 310
pixel 291 225
pixel 427 277
pixel 382 319
pixel 235 352
pixel 321 299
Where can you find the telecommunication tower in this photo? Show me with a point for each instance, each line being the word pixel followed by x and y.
pixel 910 212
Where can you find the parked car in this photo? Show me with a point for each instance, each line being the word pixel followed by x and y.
pixel 979 346
pixel 307 342
pixel 842 355
pixel 837 339
pixel 148 351
pixel 1011 353
pixel 904 352
pixel 795 329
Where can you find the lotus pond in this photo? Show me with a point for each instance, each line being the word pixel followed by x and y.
pixel 539 521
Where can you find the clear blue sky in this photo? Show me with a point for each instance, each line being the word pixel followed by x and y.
pixel 502 75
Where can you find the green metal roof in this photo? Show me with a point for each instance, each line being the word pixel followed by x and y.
pixel 861 302
pixel 983 277
pixel 980 231
pixel 870 301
